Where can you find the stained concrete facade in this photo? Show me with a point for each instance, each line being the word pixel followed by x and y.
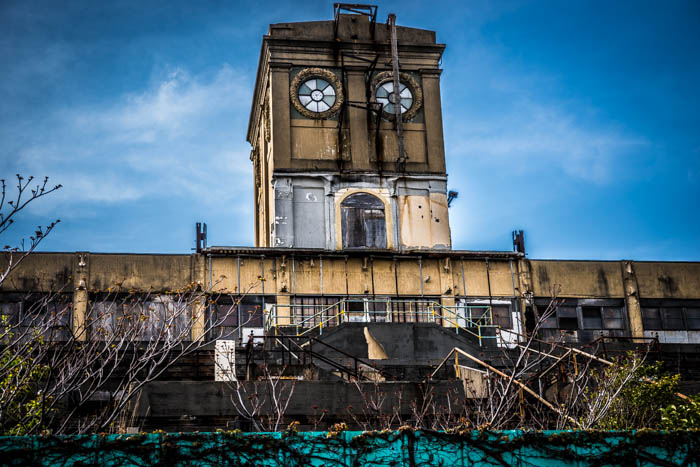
pixel 642 291
pixel 305 163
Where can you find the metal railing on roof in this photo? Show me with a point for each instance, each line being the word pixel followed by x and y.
pixel 305 319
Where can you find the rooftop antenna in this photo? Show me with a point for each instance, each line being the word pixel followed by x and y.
pixel 398 119
pixel 200 238
pixel 519 241
pixel 357 9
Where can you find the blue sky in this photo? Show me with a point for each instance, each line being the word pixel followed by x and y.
pixel 578 122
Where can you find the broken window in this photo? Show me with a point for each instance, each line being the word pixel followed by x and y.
pixel 588 317
pixel 602 317
pixel 670 315
pixel 27 315
pixel 567 318
pixel 363 221
pixel 139 318
pixel 310 311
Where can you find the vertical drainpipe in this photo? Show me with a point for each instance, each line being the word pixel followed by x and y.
pixel 320 267
pixel 211 286
pixel 420 265
pixel 515 299
pixel 464 282
pixel 488 281
pixel 262 281
pixel 238 307
pixel 210 273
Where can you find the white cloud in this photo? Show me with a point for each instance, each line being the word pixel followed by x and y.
pixel 529 135
pixel 175 139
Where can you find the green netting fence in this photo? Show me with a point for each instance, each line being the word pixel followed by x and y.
pixel 352 448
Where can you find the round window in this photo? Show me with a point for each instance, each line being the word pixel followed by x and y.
pixel 408 99
pixel 316 93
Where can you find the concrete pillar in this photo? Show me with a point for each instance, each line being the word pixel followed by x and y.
pixel 359 134
pixel 631 288
pixel 199 307
pixel 525 290
pixel 447 286
pixel 81 278
pixel 283 310
pixel 280 121
pixel 432 106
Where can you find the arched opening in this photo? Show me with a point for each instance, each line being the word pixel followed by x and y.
pixel 363 221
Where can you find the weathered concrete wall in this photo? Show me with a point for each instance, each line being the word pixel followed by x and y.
pixel 40 272
pixel 140 272
pixel 176 399
pixel 577 279
pixel 446 276
pixel 668 280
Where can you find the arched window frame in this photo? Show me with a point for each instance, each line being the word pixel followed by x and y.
pixel 343 210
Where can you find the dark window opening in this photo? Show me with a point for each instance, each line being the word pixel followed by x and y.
pixel 363 221
pixel 692 318
pixel 570 324
pixel 670 314
pixel 49 316
pixel 672 318
pixel 612 318
pixel 501 316
pixel 651 319
pixel 591 317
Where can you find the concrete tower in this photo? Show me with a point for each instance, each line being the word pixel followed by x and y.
pixel 340 160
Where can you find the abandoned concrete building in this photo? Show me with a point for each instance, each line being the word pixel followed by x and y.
pixel 353 258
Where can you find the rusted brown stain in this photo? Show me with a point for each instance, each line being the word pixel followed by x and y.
pixel 603 286
pixel 543 276
pixel 668 285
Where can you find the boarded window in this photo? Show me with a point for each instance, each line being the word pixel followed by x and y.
pixel 363 221
pixel 309 219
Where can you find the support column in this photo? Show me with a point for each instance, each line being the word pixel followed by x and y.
pixel 199 276
pixel 447 286
pixel 199 307
pixel 81 279
pixel 525 290
pixel 631 288
pixel 434 140
pixel 359 135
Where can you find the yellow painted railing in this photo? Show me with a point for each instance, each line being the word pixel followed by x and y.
pixel 305 318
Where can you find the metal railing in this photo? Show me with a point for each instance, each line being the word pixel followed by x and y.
pixel 307 318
